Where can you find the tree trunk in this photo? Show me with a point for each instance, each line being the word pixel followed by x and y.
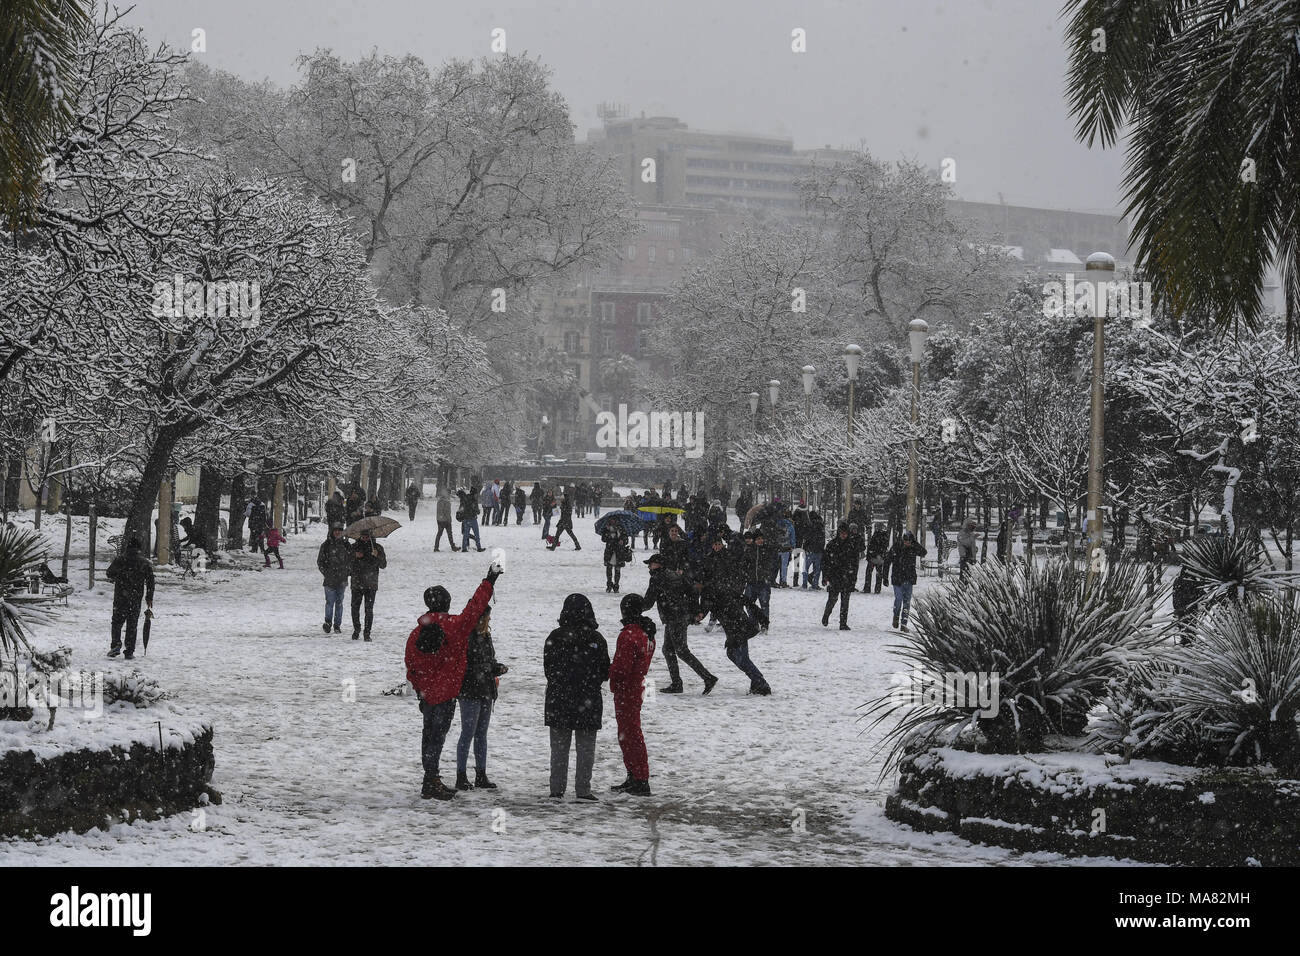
pixel 277 505
pixel 207 510
pixel 235 526
pixel 67 536
pixel 146 491
pixel 94 528
pixel 164 546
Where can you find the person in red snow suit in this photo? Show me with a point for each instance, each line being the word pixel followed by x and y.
pixel 435 666
pixel 274 538
pixel 627 673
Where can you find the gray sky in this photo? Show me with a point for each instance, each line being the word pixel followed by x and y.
pixel 979 81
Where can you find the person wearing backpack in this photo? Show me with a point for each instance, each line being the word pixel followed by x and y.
pixel 436 659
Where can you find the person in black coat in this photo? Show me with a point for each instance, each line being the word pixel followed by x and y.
pixel 368 558
pixel 132 575
pixel 741 617
pixel 902 562
pixel 672 591
pixel 334 562
pixel 576 663
pixel 478 691
pixel 566 523
pixel 618 552
pixel 335 509
pixel 412 499
pixel 840 566
pixel 814 549
pixel 761 563
pixel 877 558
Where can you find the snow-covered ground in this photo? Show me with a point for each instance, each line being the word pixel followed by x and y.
pixel 310 775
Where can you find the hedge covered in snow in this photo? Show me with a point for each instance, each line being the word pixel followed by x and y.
pixel 1080 803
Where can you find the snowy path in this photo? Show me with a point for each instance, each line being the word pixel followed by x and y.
pixel 310 777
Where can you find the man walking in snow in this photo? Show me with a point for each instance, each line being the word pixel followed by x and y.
pixel 566 523
pixel 368 558
pixel 443 513
pixel 334 561
pixel 840 566
pixel 132 575
pixel 436 658
pixel 412 499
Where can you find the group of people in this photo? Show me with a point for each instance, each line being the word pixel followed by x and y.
pixel 450 660
pixel 342 561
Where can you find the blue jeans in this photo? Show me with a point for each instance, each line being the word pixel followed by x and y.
pixel 596 507
pixel 760 593
pixel 334 605
pixel 437 721
pixel 785 566
pixel 739 655
pixel 546 528
pixel 475 713
pixel 902 599
pixel 812 569
pixel 469 527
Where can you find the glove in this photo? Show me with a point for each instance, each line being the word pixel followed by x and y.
pixel 493 573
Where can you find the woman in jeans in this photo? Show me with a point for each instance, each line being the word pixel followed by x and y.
pixel 477 693
pixel 576 662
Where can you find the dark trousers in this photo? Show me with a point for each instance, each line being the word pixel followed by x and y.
pixel 128 613
pixel 519 515
pixel 437 721
pixel 451 535
pixel 358 595
pixel 273 551
pixel 565 527
pixel 612 574
pixel 738 654
pixel 881 575
pixel 562 740
pixel 675 647
pixel 411 507
pixel 834 591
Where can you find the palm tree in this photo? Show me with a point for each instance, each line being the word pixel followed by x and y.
pixel 1208 92
pixel 38 53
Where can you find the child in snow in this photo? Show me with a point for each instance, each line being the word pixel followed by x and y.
pixel 274 538
pixel 627 673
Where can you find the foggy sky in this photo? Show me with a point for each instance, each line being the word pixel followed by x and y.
pixel 979 81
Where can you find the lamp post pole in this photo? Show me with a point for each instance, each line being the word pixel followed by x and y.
pixel 773 396
pixel 852 361
pixel 1100 269
pixel 917 330
pixel 809 373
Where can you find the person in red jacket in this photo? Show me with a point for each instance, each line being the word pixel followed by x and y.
pixel 627 672
pixel 435 666
pixel 274 538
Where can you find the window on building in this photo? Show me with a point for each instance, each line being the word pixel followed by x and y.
pixel 572 342
pixel 650 254
pixel 642 342
pixel 672 255
pixel 607 312
pixel 686 255
pixel 631 253
pixel 606 342
pixel 643 312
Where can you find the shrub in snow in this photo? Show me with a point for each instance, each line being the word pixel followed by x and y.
pixel 133 688
pixel 1052 641
pixel 1238 683
pixel 1131 719
pixel 19 551
pixel 1231 567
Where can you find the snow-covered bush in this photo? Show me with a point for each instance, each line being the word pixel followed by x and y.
pixel 1238 684
pixel 1230 566
pixel 19 550
pixel 1052 641
pixel 1131 719
pixel 134 688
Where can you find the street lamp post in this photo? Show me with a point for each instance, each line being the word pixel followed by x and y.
pixel 753 410
pixel 852 361
pixel 773 396
pixel 1100 268
pixel 917 330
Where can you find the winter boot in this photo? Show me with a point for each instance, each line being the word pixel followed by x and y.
pixel 435 788
pixel 482 782
pixel 761 690
pixel 282 564
pixel 845 627
pixel 462 782
pixel 638 788
pixel 709 682
pixel 337 629
pixel 826 619
pixel 895 620
pixel 588 797
pixel 618 787
pixel 326 627
pixel 671 689
pixel 356 635
pixel 367 637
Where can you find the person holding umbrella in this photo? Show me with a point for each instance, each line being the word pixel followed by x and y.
pixel 132 575
pixel 368 559
pixel 617 553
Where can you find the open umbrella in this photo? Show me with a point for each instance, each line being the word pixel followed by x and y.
pixel 378 526
pixel 629 521
pixel 651 512
pixel 148 626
